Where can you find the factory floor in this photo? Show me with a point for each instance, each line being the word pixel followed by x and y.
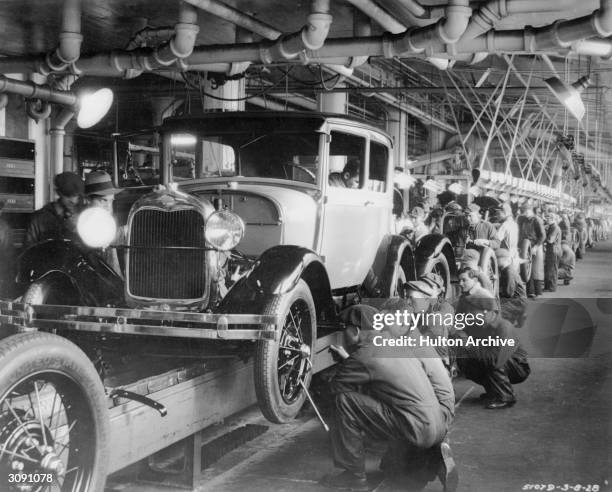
pixel 557 437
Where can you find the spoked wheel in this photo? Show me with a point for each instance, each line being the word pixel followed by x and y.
pixel 488 264
pixel 53 422
pixel 526 255
pixel 440 266
pixel 282 366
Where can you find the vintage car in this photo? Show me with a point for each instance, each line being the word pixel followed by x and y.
pixel 258 248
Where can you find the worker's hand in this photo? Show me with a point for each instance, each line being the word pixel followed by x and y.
pixel 339 351
pixel 481 242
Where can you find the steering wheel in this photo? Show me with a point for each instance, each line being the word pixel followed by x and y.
pixel 301 168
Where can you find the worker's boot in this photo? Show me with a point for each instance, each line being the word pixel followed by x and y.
pixel 447 471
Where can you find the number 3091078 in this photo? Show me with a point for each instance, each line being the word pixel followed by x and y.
pixel 31 478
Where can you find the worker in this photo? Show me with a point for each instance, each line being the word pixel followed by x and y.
pixel 471 259
pixel 552 253
pixel 408 398
pixel 512 292
pixel 426 296
pixel 494 366
pixel 417 214
pixel 349 177
pixel 57 220
pixel 567 263
pixel 480 232
pixel 508 233
pixel 531 227
pixel 470 289
pixel 100 192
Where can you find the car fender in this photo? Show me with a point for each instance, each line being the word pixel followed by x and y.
pixel 394 250
pixel 429 247
pixel 275 273
pixel 96 282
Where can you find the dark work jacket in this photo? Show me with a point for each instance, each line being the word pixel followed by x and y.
pixel 531 228
pixel 411 381
pixel 497 356
pixel 485 230
pixel 52 221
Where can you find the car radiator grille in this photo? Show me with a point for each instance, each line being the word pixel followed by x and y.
pixel 162 263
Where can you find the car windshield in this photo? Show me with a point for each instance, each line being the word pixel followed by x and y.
pixel 275 154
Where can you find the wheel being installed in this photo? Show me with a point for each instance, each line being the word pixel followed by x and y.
pixel 282 366
pixel 53 417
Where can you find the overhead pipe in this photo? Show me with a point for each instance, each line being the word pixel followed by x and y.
pixel 448 30
pixel 489 14
pixel 378 15
pixel 57 132
pixel 70 40
pixel 236 17
pixel 180 46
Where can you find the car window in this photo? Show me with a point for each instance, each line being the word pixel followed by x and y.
pixel 346 160
pixel 276 155
pixel 379 165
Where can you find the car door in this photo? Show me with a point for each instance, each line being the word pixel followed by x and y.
pixel 352 217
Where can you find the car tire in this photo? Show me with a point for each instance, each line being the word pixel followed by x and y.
pixel 281 363
pixel 50 391
pixel 52 289
pixel 525 254
pixel 488 264
pixel 440 266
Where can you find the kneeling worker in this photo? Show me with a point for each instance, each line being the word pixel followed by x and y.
pixel 387 397
pixel 494 365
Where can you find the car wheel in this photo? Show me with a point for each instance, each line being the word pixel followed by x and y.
pixel 488 264
pixel 282 365
pixel 53 416
pixel 52 289
pixel 440 266
pixel 525 254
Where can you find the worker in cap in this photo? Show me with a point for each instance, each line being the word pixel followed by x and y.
pixel 100 190
pixel 496 366
pixel 407 399
pixel 531 228
pixel 480 232
pixel 57 220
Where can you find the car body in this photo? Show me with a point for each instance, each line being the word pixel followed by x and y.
pixel 248 239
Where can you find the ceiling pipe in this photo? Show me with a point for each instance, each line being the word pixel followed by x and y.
pixel 57 132
pixel 70 39
pixel 180 46
pixel 30 90
pixel 448 30
pixel 236 17
pixel 378 15
pixel 487 16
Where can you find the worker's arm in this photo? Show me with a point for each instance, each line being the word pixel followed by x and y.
pixel 350 373
pixel 440 381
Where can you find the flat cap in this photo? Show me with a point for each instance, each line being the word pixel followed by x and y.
pixel 360 315
pixel 69 184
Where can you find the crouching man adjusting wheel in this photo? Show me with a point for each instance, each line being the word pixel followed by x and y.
pixel 409 402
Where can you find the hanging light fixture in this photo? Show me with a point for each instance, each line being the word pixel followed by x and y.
pixel 569 95
pixel 93 107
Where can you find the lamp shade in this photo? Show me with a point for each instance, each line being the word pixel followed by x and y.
pixel 569 95
pixel 93 107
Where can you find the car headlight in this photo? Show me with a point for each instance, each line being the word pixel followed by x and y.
pixel 96 227
pixel 224 230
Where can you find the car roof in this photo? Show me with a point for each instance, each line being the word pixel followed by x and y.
pixel 239 121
